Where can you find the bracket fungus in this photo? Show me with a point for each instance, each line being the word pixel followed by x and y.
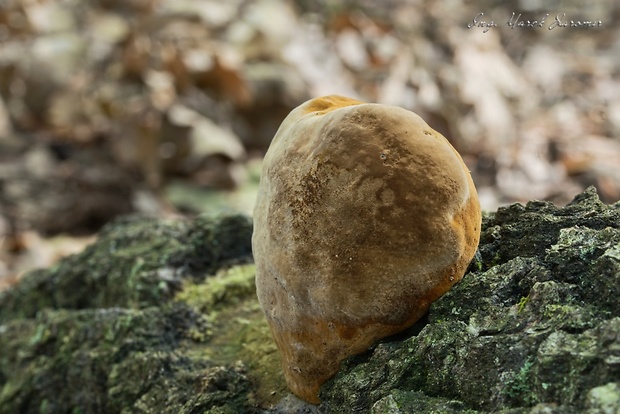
pixel 365 216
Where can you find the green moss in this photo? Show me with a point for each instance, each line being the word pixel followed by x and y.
pixel 522 302
pixel 496 260
pixel 117 360
pixel 99 333
pixel 239 329
pixel 228 287
pixel 137 262
pixel 518 386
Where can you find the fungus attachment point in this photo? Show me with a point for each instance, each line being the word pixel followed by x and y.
pixel 412 224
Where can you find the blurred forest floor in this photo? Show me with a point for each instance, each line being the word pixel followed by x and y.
pixel 166 106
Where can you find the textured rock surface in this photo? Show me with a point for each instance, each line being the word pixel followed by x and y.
pixel 137 262
pixel 534 328
pixel 133 325
pixel 364 217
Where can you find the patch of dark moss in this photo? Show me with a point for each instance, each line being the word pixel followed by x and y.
pixel 210 245
pixel 101 332
pixel 238 329
pixel 137 262
pixel 112 361
pixel 527 231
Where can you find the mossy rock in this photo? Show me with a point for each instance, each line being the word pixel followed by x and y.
pixel 161 317
pixel 111 360
pixel 534 327
pixel 134 325
pixel 137 262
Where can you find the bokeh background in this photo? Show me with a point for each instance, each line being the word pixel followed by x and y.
pixel 166 107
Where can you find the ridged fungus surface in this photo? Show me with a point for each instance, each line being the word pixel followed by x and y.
pixel 365 216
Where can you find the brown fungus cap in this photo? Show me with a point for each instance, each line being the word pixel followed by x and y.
pixel 365 216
